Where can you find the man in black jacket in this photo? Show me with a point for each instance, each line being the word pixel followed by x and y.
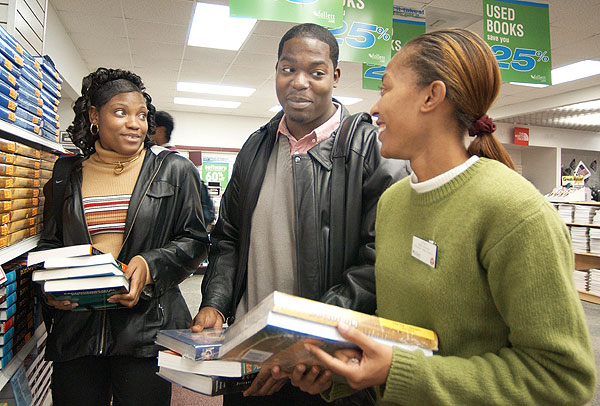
pixel 287 222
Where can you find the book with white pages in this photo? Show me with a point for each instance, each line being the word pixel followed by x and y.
pixel 41 275
pixel 35 257
pixel 87 260
pixel 232 369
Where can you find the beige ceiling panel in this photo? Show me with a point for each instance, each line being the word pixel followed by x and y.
pixel 272 28
pixel 166 11
pixel 211 55
pixel 103 8
pixel 157 32
pixel 106 27
pixel 157 50
pixel 148 60
pixel 96 43
pixel 261 61
pixel 245 81
pixel 206 72
pixel 261 44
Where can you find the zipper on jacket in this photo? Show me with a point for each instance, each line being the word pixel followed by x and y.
pixel 101 351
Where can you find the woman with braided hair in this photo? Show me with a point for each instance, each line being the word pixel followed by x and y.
pixel 465 247
pixel 141 203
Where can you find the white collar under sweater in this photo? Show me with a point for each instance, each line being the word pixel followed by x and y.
pixel 442 179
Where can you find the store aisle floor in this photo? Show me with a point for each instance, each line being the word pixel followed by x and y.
pixel 191 291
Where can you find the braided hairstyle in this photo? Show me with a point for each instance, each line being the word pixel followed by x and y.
pixel 97 89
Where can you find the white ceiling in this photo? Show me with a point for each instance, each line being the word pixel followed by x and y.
pixel 149 38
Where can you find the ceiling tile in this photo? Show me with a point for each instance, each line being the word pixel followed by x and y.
pixel 261 44
pixel 210 55
pixel 157 50
pixel 154 11
pixel 157 32
pixel 106 27
pixel 260 61
pixel 272 28
pixel 104 8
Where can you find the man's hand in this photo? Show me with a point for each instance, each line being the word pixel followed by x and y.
pixel 313 381
pixel 61 305
pixel 267 382
pixel 136 272
pixel 207 317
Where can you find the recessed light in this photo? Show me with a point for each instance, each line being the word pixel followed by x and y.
pixel 207 103
pixel 574 71
pixel 212 27
pixel 528 84
pixel 225 90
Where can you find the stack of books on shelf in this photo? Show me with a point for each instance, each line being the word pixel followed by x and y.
pixel 38 371
pixel 595 241
pixel 79 274
pixel 274 332
pixel 191 361
pixel 584 214
pixel 23 172
pixel 582 280
pixel 565 211
pixel 580 238
pixel 594 282
pixel 29 90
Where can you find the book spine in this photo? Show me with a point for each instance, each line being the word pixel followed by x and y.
pixel 225 386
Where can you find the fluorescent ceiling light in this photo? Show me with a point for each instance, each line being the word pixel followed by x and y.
pixel 528 84
pixel 584 119
pixel 214 89
pixel 213 28
pixel 574 71
pixel 276 108
pixel 348 101
pixel 589 105
pixel 207 103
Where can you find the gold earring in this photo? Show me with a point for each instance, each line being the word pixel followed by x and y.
pixel 92 126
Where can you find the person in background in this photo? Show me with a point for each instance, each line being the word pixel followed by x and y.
pixel 273 230
pixel 141 203
pixel 164 128
pixel 499 290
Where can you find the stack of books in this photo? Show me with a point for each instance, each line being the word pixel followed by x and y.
pixel 79 274
pixel 7 311
pixel 565 211
pixel 580 239
pixel 594 282
pixel 191 362
pixel 274 332
pixel 582 280
pixel 584 214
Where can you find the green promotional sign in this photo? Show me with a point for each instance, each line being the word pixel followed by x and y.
pixel 366 31
pixel 408 23
pixel 327 13
pixel 216 172
pixel 519 34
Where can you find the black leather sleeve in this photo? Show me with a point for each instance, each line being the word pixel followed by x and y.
pixel 357 288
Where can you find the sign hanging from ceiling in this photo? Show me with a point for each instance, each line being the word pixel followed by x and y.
pixel 327 13
pixel 407 23
pixel 519 34
pixel 366 31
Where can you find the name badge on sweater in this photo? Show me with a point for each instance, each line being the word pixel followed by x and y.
pixel 424 251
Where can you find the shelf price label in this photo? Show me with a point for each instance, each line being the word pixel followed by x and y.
pixel 327 13
pixel 519 34
pixel 216 172
pixel 407 23
pixel 366 31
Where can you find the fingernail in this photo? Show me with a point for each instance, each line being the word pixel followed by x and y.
pixel 343 326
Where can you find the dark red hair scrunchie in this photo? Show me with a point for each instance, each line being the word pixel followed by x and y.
pixel 485 124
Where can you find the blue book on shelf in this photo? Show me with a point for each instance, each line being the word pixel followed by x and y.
pixel 7 115
pixel 48 126
pixel 9 288
pixel 27 116
pixel 8 90
pixel 29 98
pixel 7 102
pixel 11 54
pixel 49 111
pixel 52 74
pixel 25 85
pixel 26 125
pixel 32 108
pixel 197 346
pixel 10 300
pixel 6 359
pixel 32 76
pixel 9 66
pixel 50 119
pixel 48 135
pixel 11 276
pixel 9 78
pixel 9 38
pixel 6 337
pixel 51 87
pixel 6 347
pixel 47 97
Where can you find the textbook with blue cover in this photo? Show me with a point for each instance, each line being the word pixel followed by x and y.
pixel 197 346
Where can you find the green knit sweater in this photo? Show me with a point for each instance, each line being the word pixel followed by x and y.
pixel 501 297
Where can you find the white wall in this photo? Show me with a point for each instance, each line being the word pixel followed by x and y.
pixel 60 48
pixel 551 137
pixel 213 130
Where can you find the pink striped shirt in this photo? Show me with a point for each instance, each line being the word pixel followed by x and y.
pixel 319 134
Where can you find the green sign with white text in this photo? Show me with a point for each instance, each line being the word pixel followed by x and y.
pixel 327 13
pixel 366 31
pixel 519 34
pixel 407 24
pixel 216 172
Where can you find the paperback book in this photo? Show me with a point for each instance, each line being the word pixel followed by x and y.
pixel 230 369
pixel 196 346
pixel 207 385
pixel 274 332
pixel 88 293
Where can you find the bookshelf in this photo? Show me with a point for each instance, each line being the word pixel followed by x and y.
pixel 7 372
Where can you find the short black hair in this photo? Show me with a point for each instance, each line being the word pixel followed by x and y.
pixel 164 119
pixel 309 30
pixel 97 88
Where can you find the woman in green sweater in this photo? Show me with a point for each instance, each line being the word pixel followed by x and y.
pixel 465 247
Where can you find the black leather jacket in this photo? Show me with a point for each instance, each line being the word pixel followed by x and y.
pixel 367 176
pixel 164 225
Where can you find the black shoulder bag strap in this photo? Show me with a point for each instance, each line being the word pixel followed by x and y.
pixel 60 177
pixel 341 149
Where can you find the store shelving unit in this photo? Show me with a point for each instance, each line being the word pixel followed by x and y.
pixel 7 372
pixel 20 134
